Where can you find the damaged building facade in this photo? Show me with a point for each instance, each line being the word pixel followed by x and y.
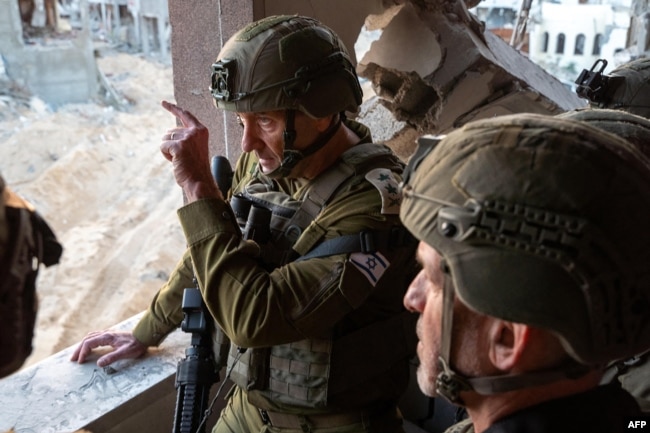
pixel 58 72
pixel 54 58
pixel 638 42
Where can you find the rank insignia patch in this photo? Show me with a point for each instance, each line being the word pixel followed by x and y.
pixel 391 196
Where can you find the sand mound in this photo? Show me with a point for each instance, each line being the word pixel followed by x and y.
pixel 97 176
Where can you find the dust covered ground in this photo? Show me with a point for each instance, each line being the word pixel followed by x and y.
pixel 97 176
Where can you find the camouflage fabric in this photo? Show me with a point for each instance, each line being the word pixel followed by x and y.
pixel 633 128
pixel 627 88
pixel 285 62
pixel 541 221
pixel 634 373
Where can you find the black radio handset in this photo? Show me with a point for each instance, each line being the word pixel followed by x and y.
pixel 222 173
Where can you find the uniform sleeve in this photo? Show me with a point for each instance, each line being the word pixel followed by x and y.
pixel 258 308
pixel 165 313
pixel 245 166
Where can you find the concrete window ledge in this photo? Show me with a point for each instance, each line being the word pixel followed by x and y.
pixel 59 396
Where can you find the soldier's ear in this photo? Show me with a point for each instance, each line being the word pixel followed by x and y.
pixel 507 342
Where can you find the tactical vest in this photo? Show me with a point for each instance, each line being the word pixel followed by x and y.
pixel 301 373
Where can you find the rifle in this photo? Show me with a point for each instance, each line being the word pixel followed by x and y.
pixel 197 372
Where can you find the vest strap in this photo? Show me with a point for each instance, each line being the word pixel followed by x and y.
pixel 366 241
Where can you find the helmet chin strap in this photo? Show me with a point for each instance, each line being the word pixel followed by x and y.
pixel 290 156
pixel 450 384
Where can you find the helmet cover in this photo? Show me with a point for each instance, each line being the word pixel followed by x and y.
pixel 633 128
pixel 285 62
pixel 542 221
pixel 628 88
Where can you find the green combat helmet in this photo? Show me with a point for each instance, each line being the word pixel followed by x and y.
pixel 632 373
pixel 633 128
pixel 543 221
pixel 287 63
pixel 626 88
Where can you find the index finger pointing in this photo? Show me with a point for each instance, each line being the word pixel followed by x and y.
pixel 186 118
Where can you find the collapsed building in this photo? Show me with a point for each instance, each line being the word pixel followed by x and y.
pixel 56 63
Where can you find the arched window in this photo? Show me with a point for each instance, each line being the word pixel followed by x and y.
pixel 580 45
pixel 545 42
pixel 559 46
pixel 598 44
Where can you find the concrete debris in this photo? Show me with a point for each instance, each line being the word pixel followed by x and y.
pixel 433 66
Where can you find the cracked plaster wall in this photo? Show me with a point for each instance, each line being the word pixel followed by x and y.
pixel 434 67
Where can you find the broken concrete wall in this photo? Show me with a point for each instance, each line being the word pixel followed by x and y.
pixel 11 37
pixel 435 67
pixel 58 72
pixel 152 26
pixel 638 42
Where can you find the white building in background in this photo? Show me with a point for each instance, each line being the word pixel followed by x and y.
pixel 498 14
pixel 569 36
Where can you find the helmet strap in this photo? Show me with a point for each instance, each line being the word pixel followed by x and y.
pixel 450 384
pixel 289 133
pixel 290 156
pixel 496 384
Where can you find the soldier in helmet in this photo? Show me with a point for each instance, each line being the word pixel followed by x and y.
pixel 312 306
pixel 626 88
pixel 534 249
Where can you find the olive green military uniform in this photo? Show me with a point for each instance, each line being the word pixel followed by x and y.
pixel 321 301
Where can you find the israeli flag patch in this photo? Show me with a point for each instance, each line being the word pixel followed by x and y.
pixel 384 180
pixel 371 265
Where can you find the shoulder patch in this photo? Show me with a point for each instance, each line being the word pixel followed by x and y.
pixel 372 265
pixel 384 180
